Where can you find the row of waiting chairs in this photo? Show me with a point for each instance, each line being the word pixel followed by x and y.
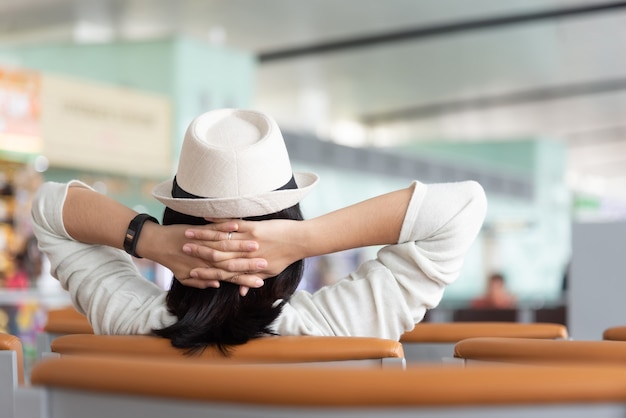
pixel 76 386
pixel 100 386
pixel 427 342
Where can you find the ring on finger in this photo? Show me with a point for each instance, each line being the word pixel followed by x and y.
pixel 230 235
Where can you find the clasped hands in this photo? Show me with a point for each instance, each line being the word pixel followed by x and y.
pixel 233 250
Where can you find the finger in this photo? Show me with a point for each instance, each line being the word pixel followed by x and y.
pixel 208 237
pixel 221 269
pixel 208 234
pixel 242 226
pixel 247 281
pixel 199 284
pixel 243 290
pixel 214 255
pixel 243 279
pixel 225 225
pixel 234 252
pixel 241 265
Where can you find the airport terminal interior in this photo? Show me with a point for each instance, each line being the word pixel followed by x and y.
pixel 525 97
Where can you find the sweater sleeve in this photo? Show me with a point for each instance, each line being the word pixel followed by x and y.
pixel 103 282
pixel 388 295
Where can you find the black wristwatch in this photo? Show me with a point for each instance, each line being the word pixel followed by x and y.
pixel 133 231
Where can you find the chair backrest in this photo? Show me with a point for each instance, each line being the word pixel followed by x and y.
pixel 434 341
pixel 617 333
pixel 61 321
pixel 453 332
pixel 12 343
pixel 288 349
pixel 67 320
pixel 527 350
pixel 78 383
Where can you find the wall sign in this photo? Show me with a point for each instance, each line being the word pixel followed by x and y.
pixel 92 126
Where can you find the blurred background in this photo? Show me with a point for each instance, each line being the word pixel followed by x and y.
pixel 527 97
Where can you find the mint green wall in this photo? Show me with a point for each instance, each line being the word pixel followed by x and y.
pixel 195 76
pixel 146 66
pixel 511 156
pixel 529 241
pixel 208 78
pixel 534 258
pixel 132 191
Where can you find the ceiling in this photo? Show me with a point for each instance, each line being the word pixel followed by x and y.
pixel 385 72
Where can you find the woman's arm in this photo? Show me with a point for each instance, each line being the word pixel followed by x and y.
pixel 93 218
pixel 376 221
pixel 430 226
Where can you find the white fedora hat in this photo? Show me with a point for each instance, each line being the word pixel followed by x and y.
pixel 234 164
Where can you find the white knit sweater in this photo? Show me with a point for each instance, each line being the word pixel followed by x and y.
pixel 384 298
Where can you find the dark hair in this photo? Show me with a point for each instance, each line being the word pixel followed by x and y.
pixel 222 317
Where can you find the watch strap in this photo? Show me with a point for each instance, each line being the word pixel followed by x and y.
pixel 134 229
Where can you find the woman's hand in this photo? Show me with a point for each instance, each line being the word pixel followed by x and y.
pixel 279 242
pixel 223 259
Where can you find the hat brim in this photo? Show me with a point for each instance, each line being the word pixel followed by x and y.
pixel 241 206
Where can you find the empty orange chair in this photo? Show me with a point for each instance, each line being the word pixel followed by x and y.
pixel 61 321
pixel 432 341
pixel 67 320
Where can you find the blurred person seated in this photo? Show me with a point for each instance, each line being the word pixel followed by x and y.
pixel 496 295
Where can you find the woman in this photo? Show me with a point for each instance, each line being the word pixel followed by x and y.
pixel 234 165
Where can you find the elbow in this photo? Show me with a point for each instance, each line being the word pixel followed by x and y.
pixel 477 200
pixel 38 204
pixel 475 210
